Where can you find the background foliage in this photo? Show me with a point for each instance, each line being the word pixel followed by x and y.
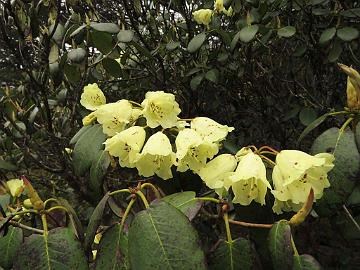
pixel 269 71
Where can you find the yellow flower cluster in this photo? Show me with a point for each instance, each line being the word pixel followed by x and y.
pixel 203 16
pixel 195 148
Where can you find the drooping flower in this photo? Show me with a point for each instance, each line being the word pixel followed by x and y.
pixel 92 97
pixel 114 116
pixel 192 151
pixel 353 87
pixel 219 5
pixel 156 157
pixel 216 171
pixel 126 145
pixel 203 16
pixel 295 173
pixel 209 129
pixel 16 187
pixel 249 181
pixel 160 109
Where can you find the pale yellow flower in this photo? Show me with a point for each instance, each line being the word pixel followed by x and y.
pixel 114 116
pixel 203 16
pixel 353 87
pixel 216 171
pixel 156 157
pixel 192 151
pixel 92 97
pixel 219 5
pixel 126 145
pixel 209 129
pixel 248 182
pixel 228 12
pixel 296 172
pixel 16 187
pixel 160 109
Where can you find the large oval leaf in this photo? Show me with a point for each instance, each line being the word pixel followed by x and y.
pixel 287 31
pixel 280 245
pixel 111 28
pixel 196 42
pixel 161 237
pixel 98 169
pixel 9 245
pixel 102 41
pixel 113 249
pixel 248 33
pixel 327 35
pixel 348 33
pixel 86 148
pixel 58 251
pixel 185 202
pixel 305 262
pixel 235 255
pixel 125 36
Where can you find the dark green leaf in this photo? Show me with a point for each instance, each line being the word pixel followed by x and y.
pixel 248 33
pixel 234 41
pixel 79 134
pixel 305 262
pixel 307 116
pixel 142 50
pixel 287 31
pixel 113 250
pixel 9 245
pixel 102 41
pixel 312 126
pixel 77 31
pixel 7 166
pixel 58 251
pixel 196 42
pixel 125 36
pixel 347 33
pixel 212 75
pixel 280 245
pixel 185 202
pixel 327 35
pixel 111 28
pixel 97 171
pixel 161 237
pixel 351 13
pixel 172 45
pixel 95 221
pixel 195 82
pixel 87 147
pixel 335 51
pixel 72 73
pixel 112 67
pixel 237 254
pixel 354 198
pixel 76 55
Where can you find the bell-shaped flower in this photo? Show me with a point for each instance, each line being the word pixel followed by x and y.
pixel 192 151
pixel 114 116
pixel 203 16
pixel 216 171
pixel 135 114
pixel 296 172
pixel 209 129
pixel 160 109
pixel 92 97
pixel 249 181
pixel 126 145
pixel 16 187
pixel 156 157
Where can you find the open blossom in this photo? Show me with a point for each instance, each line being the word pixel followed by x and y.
pixel 210 130
pixel 126 145
pixel 156 157
pixel 92 97
pixel 203 16
pixel 295 173
pixel 160 109
pixel 114 116
pixel 192 151
pixel 249 181
pixel 215 172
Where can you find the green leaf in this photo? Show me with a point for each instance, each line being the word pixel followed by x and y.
pixel 347 33
pixel 98 169
pixel 305 262
pixel 162 237
pixel 307 116
pixel 185 202
pixel 346 171
pixel 354 198
pixel 102 41
pixel 94 222
pixel 327 35
pixel 172 45
pixel 142 50
pixel 59 33
pixel 7 166
pixel 237 254
pixel 125 36
pixel 113 250
pixel 312 126
pixel 58 251
pixel 234 41
pixel 335 51
pixel 72 73
pixel 212 75
pixel 76 55
pixel 196 42
pixel 248 33
pixel 280 245
pixel 351 13
pixel 112 67
pixel 87 147
pixel 111 28
pixel 77 30
pixel 79 134
pixel 287 31
pixel 9 245
pixel 196 81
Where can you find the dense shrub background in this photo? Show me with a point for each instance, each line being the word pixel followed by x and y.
pixel 269 88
